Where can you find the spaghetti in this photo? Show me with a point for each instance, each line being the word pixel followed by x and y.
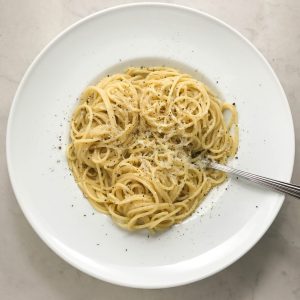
pixel 135 139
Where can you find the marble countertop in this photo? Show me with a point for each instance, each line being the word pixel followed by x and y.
pixel 30 270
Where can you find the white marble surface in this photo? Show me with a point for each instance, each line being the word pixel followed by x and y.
pixel 29 270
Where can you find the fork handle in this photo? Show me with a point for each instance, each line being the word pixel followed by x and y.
pixel 280 186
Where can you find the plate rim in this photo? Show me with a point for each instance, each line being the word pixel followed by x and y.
pixel 53 245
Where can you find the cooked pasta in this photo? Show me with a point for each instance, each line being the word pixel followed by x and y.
pixel 136 138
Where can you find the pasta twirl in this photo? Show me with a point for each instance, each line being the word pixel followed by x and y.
pixel 135 137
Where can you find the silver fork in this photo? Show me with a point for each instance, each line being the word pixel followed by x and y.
pixel 280 186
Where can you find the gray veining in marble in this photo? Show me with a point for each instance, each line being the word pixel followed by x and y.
pixel 29 270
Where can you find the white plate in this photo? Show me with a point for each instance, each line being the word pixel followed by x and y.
pixel 232 218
